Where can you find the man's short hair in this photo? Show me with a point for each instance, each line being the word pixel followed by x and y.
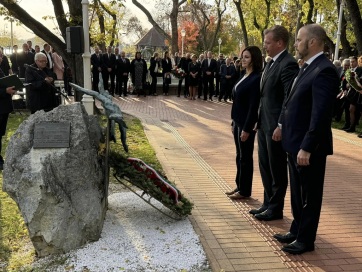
pixel 280 33
pixel 317 32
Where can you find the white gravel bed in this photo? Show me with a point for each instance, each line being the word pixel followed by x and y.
pixel 137 237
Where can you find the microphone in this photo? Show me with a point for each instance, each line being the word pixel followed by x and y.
pixel 31 67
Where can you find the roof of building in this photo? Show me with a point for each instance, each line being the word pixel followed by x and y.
pixel 152 38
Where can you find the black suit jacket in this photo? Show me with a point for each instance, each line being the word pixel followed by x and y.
pixel 123 66
pixel 273 89
pixel 96 62
pixel 206 68
pixel 108 62
pixel 166 65
pixel 49 57
pixel 6 105
pixel 244 111
pixel 307 113
pixel 24 58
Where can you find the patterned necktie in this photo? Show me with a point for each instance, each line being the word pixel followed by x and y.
pixel 267 67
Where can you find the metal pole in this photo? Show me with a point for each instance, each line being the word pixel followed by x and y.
pixel 12 34
pixel 219 48
pixel 182 46
pixel 87 100
pixel 336 51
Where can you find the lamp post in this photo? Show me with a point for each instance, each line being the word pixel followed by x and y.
pixel 219 41
pixel 183 34
pixel 278 21
pixel 11 33
pixel 336 51
pixel 87 100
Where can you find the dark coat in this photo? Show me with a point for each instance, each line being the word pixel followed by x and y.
pixel 184 64
pixel 206 68
pixel 5 66
pixel 307 112
pixel 244 111
pixel 49 58
pixel 123 66
pixel 153 63
pixel 24 58
pixel 96 62
pixel 273 89
pixel 166 65
pixel 6 105
pixel 14 63
pixel 40 94
pixel 108 62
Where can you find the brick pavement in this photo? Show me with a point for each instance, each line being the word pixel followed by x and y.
pixel 194 144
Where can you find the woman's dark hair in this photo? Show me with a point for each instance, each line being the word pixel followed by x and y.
pixel 256 57
pixel 138 52
pixel 164 54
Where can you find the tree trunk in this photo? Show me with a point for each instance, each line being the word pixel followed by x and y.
pixel 356 20
pixel 242 22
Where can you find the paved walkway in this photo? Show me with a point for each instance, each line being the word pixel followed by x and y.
pixel 194 144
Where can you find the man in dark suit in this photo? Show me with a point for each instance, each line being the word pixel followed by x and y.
pixel 209 70
pixel 219 62
pixel 108 69
pixel 307 137
pixel 96 62
pixel 48 54
pixel 6 107
pixel 24 57
pixel 14 60
pixel 184 65
pixel 123 68
pixel 273 89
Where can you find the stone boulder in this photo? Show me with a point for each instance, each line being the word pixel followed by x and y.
pixel 59 191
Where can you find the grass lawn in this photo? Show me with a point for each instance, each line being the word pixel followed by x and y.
pixel 16 251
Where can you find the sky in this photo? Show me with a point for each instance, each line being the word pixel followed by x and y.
pixel 32 7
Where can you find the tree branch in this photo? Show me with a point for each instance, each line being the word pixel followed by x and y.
pixel 60 16
pixel 151 20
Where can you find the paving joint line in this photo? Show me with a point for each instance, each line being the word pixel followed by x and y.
pixel 241 207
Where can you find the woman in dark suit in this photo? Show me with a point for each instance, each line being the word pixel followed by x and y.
pixel 166 72
pixel 155 67
pixel 244 115
pixel 194 74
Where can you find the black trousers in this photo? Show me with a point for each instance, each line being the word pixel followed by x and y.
pixel 306 187
pixel 106 77
pixel 121 84
pixel 273 170
pixel 200 89
pixel 244 162
pixel 153 89
pixel 226 86
pixel 186 89
pixel 208 86
pixel 95 81
pixel 3 122
pixel 217 85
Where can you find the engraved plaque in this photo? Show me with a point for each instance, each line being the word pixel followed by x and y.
pixel 51 135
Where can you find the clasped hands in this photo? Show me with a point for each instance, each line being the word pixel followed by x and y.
pixel 49 80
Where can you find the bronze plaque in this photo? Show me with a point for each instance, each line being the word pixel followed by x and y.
pixel 51 135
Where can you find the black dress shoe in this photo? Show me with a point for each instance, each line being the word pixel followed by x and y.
pixel 268 216
pixel 210 98
pixel 256 211
pixel 298 247
pixel 351 129
pixel 345 127
pixel 285 238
